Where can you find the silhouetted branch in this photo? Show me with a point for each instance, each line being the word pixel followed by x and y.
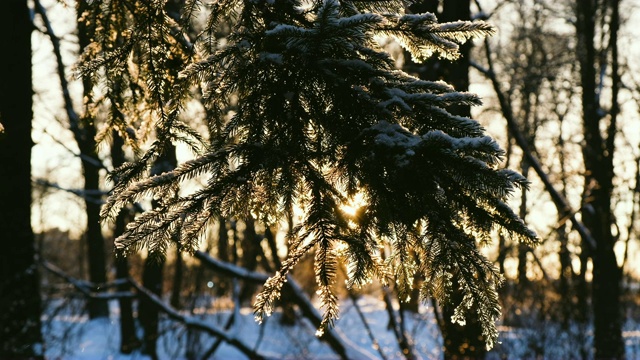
pixel 398 329
pixel 293 292
pixel 85 287
pixel 374 341
pixel 93 196
pixel 192 322
pixel 563 206
pixel 74 118
pixel 83 157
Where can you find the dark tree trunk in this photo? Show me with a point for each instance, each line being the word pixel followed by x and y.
pixel 598 159
pixel 20 303
pixel 128 338
pixel 503 249
pixel 582 288
pixel 250 252
pixel 459 341
pixel 567 310
pixel 84 132
pixel 223 285
pixel 152 276
pixel 177 278
pixel 148 311
pixel 523 249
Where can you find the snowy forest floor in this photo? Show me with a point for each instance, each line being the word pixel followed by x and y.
pixel 72 336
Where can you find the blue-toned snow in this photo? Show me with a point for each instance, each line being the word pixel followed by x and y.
pixel 77 338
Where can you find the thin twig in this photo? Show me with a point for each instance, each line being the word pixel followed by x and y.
pixel 85 287
pixel 92 196
pixel 562 205
pixel 74 118
pixel 88 159
pixel 291 290
pixel 374 341
pixel 398 329
pixel 232 319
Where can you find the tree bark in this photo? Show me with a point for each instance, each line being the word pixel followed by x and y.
pixel 598 160
pixel 84 132
pixel 177 278
pixel 250 251
pixel 128 338
pixel 523 249
pixel 152 277
pixel 20 301
pixel 223 285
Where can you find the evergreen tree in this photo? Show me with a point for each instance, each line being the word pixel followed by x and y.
pixel 322 118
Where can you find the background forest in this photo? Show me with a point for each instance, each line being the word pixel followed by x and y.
pixel 84 91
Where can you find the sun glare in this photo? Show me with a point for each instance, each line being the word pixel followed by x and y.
pixel 353 204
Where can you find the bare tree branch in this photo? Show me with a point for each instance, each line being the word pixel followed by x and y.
pixel 562 205
pixel 85 287
pixel 93 196
pixel 293 292
pixel 374 341
pixel 403 340
pixel 192 322
pixel 74 118
pixel 83 157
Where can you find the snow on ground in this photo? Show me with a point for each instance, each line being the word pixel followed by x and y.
pixel 76 338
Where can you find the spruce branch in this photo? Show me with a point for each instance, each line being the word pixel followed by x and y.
pixel 306 110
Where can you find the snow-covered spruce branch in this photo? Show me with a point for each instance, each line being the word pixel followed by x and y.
pixel 138 189
pixel 320 115
pixel 423 36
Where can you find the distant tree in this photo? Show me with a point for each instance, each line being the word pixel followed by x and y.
pixel 598 151
pixel 83 127
pixel 153 271
pixel 322 116
pixel 128 338
pixel 20 334
pixel 84 132
pixel 595 42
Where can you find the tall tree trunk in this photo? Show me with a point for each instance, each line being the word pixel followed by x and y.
pixel 223 285
pixel 598 159
pixel 250 251
pixel 84 132
pixel 459 341
pixel 567 310
pixel 523 249
pixel 152 277
pixel 148 311
pixel 128 338
pixel 20 304
pixel 177 278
